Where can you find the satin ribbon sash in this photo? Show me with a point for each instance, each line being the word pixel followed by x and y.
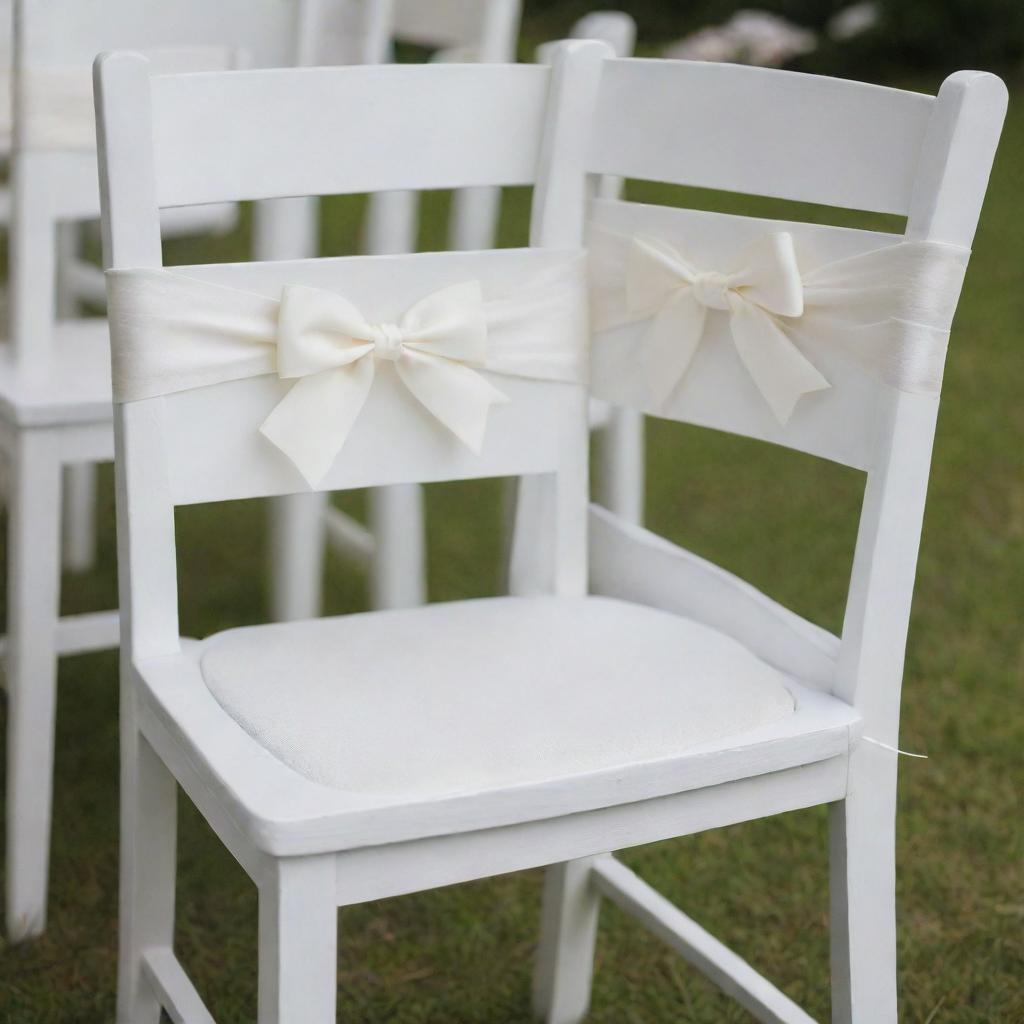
pixel 889 310
pixel 172 333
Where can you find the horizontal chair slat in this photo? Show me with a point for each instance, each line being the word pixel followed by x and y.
pixel 407 126
pixel 732 974
pixel 176 992
pixel 760 132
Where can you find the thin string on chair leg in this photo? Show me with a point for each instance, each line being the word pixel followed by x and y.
pixel 895 750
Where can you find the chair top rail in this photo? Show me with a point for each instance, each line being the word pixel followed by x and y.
pixel 423 127
pixel 760 132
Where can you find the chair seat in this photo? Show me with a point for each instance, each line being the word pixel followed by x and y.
pixel 476 695
pixel 389 726
pixel 73 386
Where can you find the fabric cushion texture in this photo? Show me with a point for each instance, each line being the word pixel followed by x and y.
pixel 475 695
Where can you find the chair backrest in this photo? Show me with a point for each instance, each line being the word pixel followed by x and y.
pixel 814 140
pixel 173 140
pixel 54 160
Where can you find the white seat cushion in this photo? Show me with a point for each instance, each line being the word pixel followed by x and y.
pixel 476 695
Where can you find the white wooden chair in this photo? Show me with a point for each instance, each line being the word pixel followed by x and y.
pixel 55 407
pixel 345 760
pixel 816 140
pixel 470 125
pixel 392 548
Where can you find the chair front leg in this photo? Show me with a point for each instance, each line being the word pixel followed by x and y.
pixel 149 827
pixel 298 972
pixel 33 587
pixel 565 956
pixel 862 839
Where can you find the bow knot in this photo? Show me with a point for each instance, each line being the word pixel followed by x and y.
pixel 388 341
pixel 711 290
pixel 764 285
pixel 326 345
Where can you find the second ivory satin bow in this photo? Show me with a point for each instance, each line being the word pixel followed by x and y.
pixel 331 352
pixel 763 283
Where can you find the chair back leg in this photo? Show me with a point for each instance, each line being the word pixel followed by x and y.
pixel 862 861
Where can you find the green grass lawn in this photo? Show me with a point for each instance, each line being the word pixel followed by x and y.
pixel 784 521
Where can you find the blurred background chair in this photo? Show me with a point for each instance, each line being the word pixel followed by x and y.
pixel 54 369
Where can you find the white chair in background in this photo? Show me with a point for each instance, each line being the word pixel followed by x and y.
pixel 392 547
pixel 79 281
pixel 511 320
pixel 821 339
pixel 55 407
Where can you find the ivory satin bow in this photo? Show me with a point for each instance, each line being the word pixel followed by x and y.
pixel 331 352
pixel 763 284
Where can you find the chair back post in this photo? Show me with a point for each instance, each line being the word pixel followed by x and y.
pixel 551 516
pixel 147 567
pixel 378 19
pixel 949 189
pixel 616 28
pixel 499 31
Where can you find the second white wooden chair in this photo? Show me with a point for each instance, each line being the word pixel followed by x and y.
pixel 820 339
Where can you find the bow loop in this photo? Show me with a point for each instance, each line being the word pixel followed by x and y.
pixel 763 284
pixel 318 330
pixel 330 349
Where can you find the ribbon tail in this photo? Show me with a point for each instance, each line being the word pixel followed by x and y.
pixel 780 370
pixel 670 345
pixel 312 422
pixel 454 394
